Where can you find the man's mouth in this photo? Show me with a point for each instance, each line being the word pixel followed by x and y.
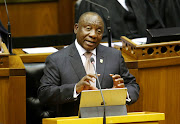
pixel 90 43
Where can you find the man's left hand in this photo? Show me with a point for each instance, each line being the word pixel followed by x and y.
pixel 118 82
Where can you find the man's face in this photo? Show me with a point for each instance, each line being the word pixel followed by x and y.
pixel 89 31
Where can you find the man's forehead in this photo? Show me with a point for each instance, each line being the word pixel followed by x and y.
pixel 92 20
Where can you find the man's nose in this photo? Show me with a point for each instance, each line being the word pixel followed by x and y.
pixel 93 34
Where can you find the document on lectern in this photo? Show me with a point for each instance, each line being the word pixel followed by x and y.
pixel 40 50
pixel 112 97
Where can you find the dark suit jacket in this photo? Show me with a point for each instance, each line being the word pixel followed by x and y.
pixel 64 69
pixel 169 11
pixel 3 33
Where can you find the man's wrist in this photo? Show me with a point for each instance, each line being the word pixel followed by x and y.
pixel 75 94
pixel 128 99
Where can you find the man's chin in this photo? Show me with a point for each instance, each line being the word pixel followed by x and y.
pixel 89 48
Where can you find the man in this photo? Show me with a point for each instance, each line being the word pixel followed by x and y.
pixel 169 11
pixel 65 76
pixel 129 18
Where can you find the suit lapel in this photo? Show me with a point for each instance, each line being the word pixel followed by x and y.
pixel 76 62
pixel 78 65
pixel 100 63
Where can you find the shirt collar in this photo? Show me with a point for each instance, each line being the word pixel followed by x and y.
pixel 81 50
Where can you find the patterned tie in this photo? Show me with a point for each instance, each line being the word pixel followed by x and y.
pixel 88 65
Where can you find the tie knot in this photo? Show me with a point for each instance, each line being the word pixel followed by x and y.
pixel 88 55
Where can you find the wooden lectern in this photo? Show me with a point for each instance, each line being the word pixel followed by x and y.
pixel 131 118
pixel 12 88
pixel 156 68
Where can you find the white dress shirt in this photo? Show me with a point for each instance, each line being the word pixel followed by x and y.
pixel 81 52
pixel 123 3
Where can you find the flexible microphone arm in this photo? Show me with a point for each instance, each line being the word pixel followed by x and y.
pixel 9 39
pixel 107 21
pixel 104 117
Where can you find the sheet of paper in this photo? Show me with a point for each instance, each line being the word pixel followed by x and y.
pixel 140 41
pixel 40 50
pixel 112 44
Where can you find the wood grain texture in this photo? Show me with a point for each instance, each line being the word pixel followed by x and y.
pixel 3 99
pixel 4 56
pixel 13 92
pixel 150 51
pixel 29 58
pixel 39 18
pixel 66 16
pixel 158 78
pixel 17 100
pixel 12 100
pixel 31 19
pixel 16 66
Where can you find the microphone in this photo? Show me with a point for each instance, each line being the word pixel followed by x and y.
pixel 104 117
pixel 107 21
pixel 9 39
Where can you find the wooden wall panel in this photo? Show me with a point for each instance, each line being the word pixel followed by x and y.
pixel 159 91
pixel 137 106
pixel 66 15
pixel 13 92
pixel 17 100
pixel 152 83
pixel 12 100
pixel 173 95
pixel 3 99
pixel 31 19
pixel 41 18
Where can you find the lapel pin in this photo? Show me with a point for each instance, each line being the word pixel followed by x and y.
pixel 101 61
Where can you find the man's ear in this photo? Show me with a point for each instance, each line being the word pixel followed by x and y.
pixel 75 28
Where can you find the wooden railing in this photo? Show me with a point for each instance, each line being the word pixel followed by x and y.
pixel 149 51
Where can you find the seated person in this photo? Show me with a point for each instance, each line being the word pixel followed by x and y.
pixel 66 73
pixel 169 11
pixel 129 18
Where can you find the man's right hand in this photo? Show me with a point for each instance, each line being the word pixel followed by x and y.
pixel 84 83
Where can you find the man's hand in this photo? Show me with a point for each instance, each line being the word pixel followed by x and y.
pixel 84 83
pixel 118 82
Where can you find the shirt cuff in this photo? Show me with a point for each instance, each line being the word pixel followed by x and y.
pixel 75 95
pixel 128 99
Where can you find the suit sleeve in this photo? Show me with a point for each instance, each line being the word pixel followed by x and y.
pixel 51 91
pixel 129 81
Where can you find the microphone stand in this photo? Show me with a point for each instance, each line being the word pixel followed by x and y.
pixel 104 115
pixel 109 31
pixel 9 39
